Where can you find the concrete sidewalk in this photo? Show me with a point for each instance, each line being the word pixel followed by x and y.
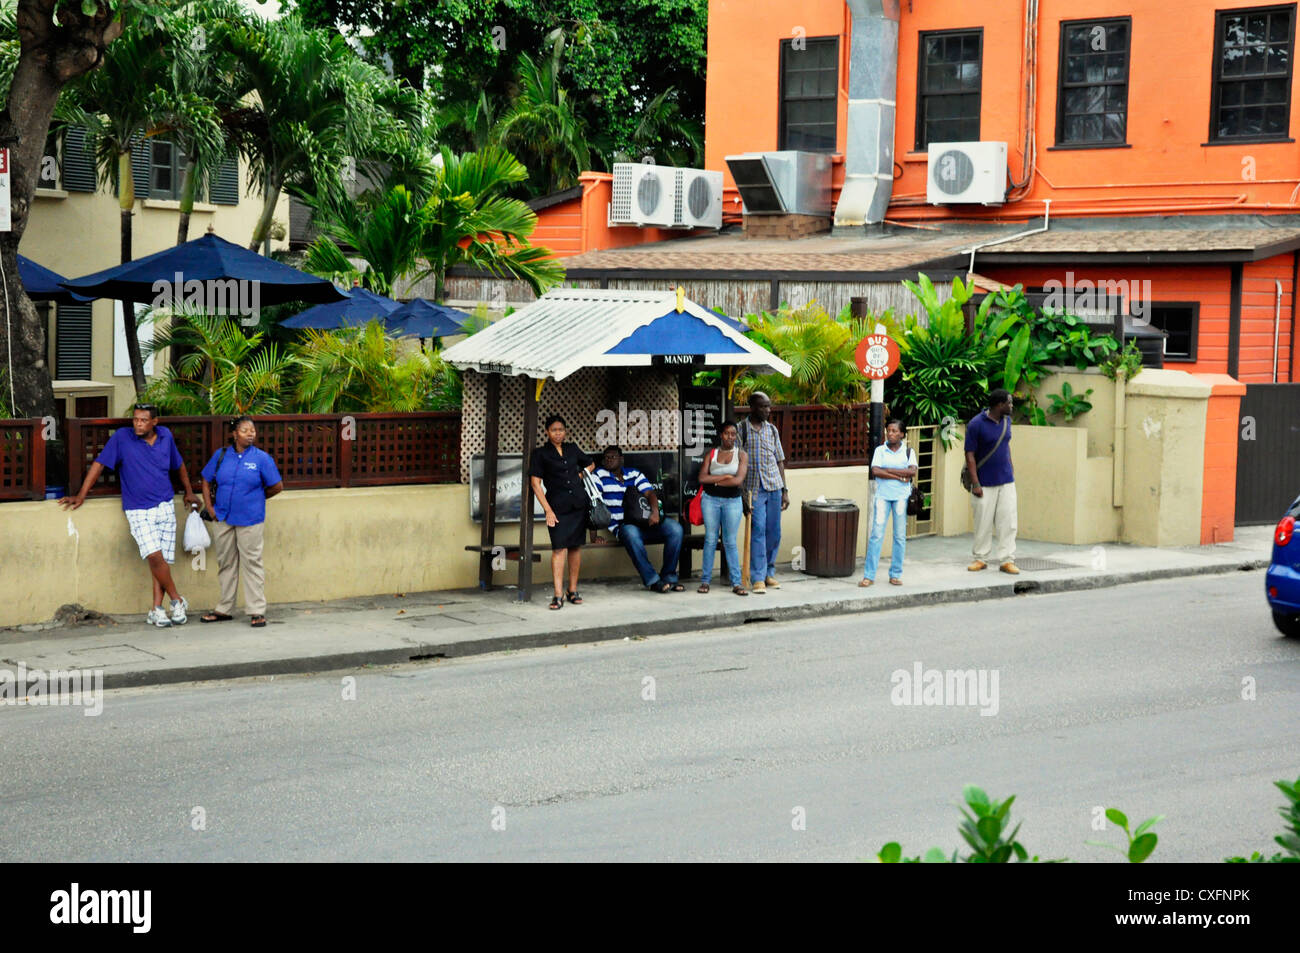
pixel 381 630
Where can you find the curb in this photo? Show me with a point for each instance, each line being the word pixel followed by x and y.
pixel 599 633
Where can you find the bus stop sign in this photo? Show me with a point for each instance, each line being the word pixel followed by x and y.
pixel 877 356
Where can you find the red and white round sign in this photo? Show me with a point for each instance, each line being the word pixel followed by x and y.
pixel 877 356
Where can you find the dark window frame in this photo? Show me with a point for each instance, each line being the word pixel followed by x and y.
pixel 1193 332
pixel 922 144
pixel 1061 87
pixel 1217 79
pixel 782 122
pixel 176 168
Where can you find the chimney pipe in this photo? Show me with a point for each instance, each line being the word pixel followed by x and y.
pixel 873 84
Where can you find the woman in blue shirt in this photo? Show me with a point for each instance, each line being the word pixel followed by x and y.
pixel 894 467
pixel 245 478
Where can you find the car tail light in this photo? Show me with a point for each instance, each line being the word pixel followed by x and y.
pixel 1282 535
pixel 1272 592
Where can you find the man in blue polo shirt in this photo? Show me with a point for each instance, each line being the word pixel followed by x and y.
pixel 993 484
pixel 144 455
pixel 615 481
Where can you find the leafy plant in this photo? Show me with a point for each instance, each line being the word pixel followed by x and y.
pixel 983 828
pixel 1128 362
pixel 1141 842
pixel 820 351
pixel 221 370
pixel 1068 404
pixel 1290 840
pixel 365 369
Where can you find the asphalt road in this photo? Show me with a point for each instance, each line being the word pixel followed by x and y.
pixel 766 742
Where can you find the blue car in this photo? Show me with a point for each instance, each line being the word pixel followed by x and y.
pixel 1282 583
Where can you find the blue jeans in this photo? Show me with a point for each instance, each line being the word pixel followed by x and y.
pixel 721 515
pixel 765 537
pixel 880 512
pixel 634 540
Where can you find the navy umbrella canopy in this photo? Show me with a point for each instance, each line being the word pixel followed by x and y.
pixel 41 284
pixel 206 259
pixel 357 307
pixel 424 319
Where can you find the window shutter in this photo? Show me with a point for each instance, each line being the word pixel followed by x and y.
pixel 141 149
pixel 72 342
pixel 78 166
pixel 225 182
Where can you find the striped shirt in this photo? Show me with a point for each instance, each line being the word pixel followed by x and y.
pixel 763 444
pixel 612 491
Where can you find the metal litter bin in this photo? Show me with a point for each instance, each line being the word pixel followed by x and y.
pixel 830 537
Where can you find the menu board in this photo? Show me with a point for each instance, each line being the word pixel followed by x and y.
pixel 703 411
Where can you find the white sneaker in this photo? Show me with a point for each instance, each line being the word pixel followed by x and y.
pixel 158 616
pixel 178 611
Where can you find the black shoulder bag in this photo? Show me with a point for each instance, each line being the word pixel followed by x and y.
pixel 965 471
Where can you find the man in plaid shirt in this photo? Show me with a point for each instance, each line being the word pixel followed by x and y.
pixel 765 485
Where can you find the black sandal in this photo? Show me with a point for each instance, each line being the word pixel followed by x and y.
pixel 662 587
pixel 678 587
pixel 557 602
pixel 258 621
pixel 575 597
pixel 215 617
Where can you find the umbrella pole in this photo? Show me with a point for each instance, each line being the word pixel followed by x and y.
pixel 744 566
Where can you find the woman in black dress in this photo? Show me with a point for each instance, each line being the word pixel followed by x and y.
pixel 557 482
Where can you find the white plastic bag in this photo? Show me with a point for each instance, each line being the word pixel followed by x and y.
pixel 196 534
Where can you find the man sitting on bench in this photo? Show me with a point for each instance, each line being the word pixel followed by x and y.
pixel 641 524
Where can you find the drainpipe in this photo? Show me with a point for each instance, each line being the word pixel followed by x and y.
pixel 873 86
pixel 1121 427
pixel 1277 324
pixel 1047 216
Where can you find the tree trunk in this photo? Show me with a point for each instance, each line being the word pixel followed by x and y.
pixel 126 202
pixel 264 220
pixel 49 56
pixel 188 188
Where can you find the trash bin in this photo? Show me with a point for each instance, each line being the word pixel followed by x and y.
pixel 830 537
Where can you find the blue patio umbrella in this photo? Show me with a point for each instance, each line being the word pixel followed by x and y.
pixel 358 307
pixel 42 284
pixel 205 260
pixel 424 319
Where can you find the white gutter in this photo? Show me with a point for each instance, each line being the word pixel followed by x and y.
pixel 1047 213
pixel 1277 325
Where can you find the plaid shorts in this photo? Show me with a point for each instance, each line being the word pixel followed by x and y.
pixel 154 530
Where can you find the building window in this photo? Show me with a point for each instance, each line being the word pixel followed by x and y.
pixel 810 83
pixel 1252 74
pixel 1092 99
pixel 1178 320
pixel 166 170
pixel 948 88
pixel 72 342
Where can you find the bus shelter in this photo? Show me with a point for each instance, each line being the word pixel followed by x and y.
pixel 569 330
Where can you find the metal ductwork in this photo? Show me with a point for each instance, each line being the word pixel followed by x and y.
pixel 873 85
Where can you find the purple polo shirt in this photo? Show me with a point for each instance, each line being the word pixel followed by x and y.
pixel 982 436
pixel 143 472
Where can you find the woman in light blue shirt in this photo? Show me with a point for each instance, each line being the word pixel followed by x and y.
pixel 894 467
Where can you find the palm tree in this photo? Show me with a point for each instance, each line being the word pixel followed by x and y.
pixel 317 105
pixel 116 104
pixel 541 125
pixel 363 369
pixel 222 370
pixel 820 352
pixel 665 133
pixel 470 221
pixel 385 228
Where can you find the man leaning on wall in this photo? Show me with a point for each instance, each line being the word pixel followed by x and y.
pixel 993 486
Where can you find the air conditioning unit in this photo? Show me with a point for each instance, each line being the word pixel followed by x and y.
pixel 643 194
pixel 783 183
pixel 699 199
pixel 966 173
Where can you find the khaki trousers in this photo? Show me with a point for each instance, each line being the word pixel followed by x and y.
pixel 994 516
pixel 239 554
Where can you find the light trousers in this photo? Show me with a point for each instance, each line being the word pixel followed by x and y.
pixel 994 516
pixel 239 556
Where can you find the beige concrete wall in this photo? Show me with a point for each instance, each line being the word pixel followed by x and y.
pixel 320 544
pixel 1065 475
pixel 1164 459
pixel 78 233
